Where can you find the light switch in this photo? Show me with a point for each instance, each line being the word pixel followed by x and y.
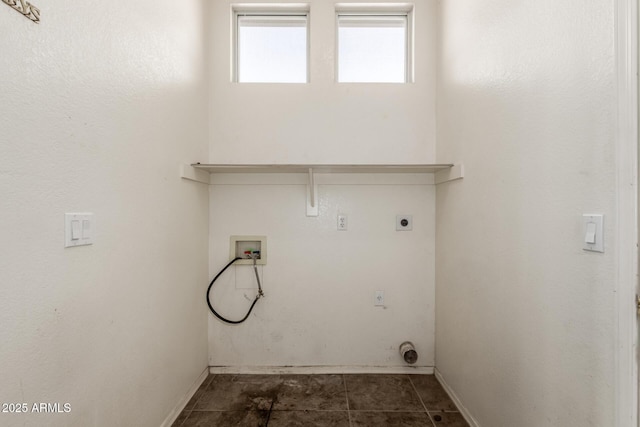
pixel 590 237
pixel 78 229
pixel 86 229
pixel 593 229
pixel 75 229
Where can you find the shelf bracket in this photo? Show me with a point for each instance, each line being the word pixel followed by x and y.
pixel 193 174
pixel 312 195
pixel 454 173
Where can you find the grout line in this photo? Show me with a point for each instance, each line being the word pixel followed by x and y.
pixel 418 394
pixel 471 421
pixel 185 418
pixel 430 418
pixel 188 412
pixel 189 395
pixel 346 395
pixel 211 379
pixel 205 383
pixel 421 401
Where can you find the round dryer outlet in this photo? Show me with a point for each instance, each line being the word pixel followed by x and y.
pixel 404 222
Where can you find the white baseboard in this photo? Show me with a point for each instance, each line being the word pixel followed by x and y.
pixel 173 415
pixel 452 394
pixel 321 369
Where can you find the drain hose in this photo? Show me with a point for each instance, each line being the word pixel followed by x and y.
pixel 260 294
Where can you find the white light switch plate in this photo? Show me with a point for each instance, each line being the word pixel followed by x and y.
pixel 78 229
pixel 588 221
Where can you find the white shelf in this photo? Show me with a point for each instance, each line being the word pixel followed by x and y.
pixel 442 172
pixel 202 173
pixel 319 168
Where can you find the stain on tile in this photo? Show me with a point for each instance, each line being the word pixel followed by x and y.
pixel 311 392
pixel 448 419
pixel 240 393
pixel 389 419
pixel 227 419
pixel 309 419
pixel 382 393
pixel 319 400
pixel 432 393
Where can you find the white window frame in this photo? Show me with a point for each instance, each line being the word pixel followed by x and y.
pixel 378 10
pixel 266 11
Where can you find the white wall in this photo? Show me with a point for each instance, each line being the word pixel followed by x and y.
pixel 100 104
pixel 320 283
pixel 525 317
pixel 323 121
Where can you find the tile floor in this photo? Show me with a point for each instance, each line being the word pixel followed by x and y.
pixel 320 400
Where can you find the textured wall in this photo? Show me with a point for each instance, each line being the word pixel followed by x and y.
pixel 323 121
pixel 320 283
pixel 526 317
pixel 100 104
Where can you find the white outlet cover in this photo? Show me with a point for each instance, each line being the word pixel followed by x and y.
pixel 379 299
pixel 399 222
pixel 342 222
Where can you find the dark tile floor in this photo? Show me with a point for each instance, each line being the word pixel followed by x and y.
pixel 320 400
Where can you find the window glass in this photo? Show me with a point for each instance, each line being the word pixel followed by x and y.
pixel 372 48
pixel 271 48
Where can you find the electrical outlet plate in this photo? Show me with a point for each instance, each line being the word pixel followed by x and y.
pixel 379 299
pixel 342 222
pixel 404 222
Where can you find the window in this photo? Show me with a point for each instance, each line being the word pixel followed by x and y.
pixel 374 47
pixel 271 47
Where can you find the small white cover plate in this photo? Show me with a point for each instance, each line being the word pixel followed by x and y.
pixel 342 222
pixel 84 223
pixel 598 220
pixel 400 227
pixel 379 299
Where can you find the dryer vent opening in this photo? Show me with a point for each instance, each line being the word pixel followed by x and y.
pixel 408 352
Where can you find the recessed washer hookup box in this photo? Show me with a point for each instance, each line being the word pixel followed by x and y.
pixel 239 244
